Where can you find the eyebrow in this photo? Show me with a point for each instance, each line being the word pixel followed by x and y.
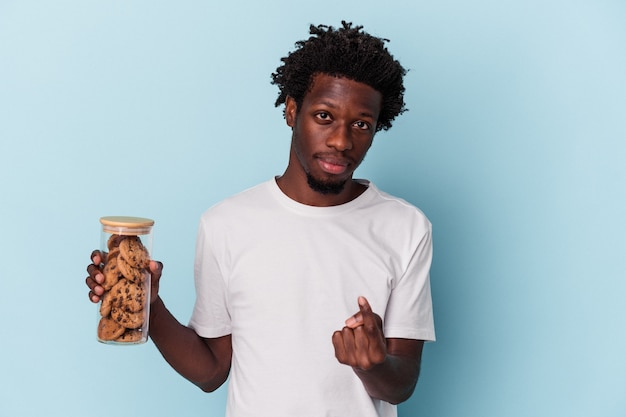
pixel 332 105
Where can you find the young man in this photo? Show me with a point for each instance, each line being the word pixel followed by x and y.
pixel 280 267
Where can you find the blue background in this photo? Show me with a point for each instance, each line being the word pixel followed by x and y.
pixel 514 146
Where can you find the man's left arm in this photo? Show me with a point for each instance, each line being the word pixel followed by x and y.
pixel 388 368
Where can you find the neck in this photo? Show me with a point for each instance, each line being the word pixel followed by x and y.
pixel 297 188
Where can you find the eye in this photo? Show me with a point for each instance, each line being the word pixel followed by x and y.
pixel 323 115
pixel 362 125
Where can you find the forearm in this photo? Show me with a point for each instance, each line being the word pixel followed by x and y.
pixel 393 380
pixel 189 354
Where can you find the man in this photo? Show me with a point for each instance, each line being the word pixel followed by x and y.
pixel 280 266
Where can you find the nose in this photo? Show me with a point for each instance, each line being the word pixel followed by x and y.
pixel 340 139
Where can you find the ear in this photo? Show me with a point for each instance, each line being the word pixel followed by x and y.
pixel 291 109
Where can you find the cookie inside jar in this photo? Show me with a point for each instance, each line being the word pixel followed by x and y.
pixel 124 311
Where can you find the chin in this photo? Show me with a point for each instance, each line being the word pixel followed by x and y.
pixel 325 186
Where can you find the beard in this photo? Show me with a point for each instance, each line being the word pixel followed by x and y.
pixel 325 187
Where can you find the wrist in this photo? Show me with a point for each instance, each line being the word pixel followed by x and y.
pixel 155 308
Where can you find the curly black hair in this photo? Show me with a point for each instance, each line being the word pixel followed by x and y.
pixel 344 52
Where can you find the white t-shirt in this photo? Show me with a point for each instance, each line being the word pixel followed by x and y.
pixel 281 277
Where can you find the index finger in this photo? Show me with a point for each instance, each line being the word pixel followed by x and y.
pixel 359 318
pixel 98 257
pixel 364 305
pixel 370 319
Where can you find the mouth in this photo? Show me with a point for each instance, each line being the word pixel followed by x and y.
pixel 333 165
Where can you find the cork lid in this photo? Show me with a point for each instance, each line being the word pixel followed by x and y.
pixel 126 225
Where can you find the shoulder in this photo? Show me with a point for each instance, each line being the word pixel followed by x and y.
pixel 240 202
pixel 397 209
pixel 239 211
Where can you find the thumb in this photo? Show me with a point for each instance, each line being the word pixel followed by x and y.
pixel 156 268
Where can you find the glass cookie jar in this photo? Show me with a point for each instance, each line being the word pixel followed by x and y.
pixel 124 308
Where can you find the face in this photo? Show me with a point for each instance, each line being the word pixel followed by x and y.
pixel 332 131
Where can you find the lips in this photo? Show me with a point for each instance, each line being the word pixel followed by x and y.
pixel 333 165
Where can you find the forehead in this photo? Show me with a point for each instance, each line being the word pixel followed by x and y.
pixel 338 91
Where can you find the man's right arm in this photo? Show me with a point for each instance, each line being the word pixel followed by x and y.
pixel 203 361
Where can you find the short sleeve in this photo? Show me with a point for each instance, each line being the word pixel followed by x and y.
pixel 409 313
pixel 210 317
